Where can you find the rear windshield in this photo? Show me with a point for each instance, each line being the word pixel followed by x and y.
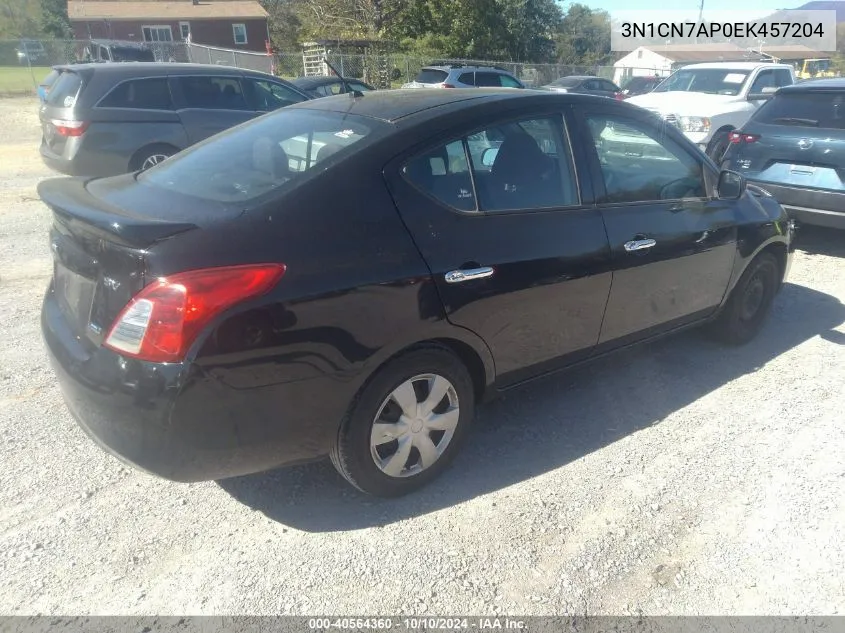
pixel 263 155
pixel 810 109
pixel 50 79
pixel 128 54
pixel 431 76
pixel 66 90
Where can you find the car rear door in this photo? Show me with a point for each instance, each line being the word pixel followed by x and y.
pixel 673 244
pixel 209 104
pixel 518 252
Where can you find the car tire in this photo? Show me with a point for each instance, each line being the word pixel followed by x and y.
pixel 387 461
pixel 718 146
pixel 750 302
pixel 150 156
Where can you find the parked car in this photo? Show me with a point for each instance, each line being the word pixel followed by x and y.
pixel 46 85
pixel 117 51
pixel 640 86
pixel 107 119
pixel 317 87
pixel 234 309
pixel 31 52
pixel 709 101
pixel 794 147
pixel 586 84
pixel 464 76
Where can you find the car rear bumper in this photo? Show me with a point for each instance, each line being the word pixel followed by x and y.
pixel 58 163
pixel 809 206
pixel 180 421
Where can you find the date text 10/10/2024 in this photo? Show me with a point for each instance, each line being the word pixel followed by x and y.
pixel 416 624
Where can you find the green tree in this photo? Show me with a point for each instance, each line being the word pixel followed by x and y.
pixel 54 19
pixel 584 36
pixel 19 18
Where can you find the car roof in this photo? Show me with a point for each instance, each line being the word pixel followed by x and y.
pixel 154 69
pixel 734 65
pixel 394 105
pixel 465 67
pixel 816 85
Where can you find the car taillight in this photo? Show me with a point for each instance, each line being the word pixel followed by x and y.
pixel 737 138
pixel 69 128
pixel 446 86
pixel 164 319
pixel 619 96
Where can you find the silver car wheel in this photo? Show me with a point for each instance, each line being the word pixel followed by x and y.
pixel 153 160
pixel 414 425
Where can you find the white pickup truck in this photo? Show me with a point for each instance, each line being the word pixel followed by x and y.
pixel 708 101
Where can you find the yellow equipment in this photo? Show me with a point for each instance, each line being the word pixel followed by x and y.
pixel 815 68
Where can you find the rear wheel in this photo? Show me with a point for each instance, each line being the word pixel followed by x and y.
pixel 407 424
pixel 151 156
pixel 750 302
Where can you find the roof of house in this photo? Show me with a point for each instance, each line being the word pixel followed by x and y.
pixel 168 10
pixel 725 52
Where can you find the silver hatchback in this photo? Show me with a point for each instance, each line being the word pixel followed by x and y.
pixel 463 76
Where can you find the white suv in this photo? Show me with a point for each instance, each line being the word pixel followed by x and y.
pixel 462 76
pixel 709 101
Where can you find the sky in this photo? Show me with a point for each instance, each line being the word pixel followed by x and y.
pixel 686 5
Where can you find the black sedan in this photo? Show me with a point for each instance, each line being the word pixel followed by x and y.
pixel 794 147
pixel 349 276
pixel 586 84
pixel 317 87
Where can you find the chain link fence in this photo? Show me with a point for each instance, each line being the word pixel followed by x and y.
pixel 23 63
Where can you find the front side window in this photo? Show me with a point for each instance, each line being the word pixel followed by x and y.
pixel 516 166
pixel 272 152
pixel 765 82
pixel 142 94
pixel 639 163
pixel 509 82
pixel 212 93
pixel 239 33
pixel 266 96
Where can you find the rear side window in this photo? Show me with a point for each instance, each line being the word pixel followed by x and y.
pixel 212 93
pixel 66 90
pixel 142 94
pixel 431 76
pixel 810 109
pixel 484 79
pixel 467 78
pixel 254 160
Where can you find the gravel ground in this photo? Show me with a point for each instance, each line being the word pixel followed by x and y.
pixel 678 478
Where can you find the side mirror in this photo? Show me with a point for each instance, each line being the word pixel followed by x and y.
pixel 488 156
pixel 767 93
pixel 731 185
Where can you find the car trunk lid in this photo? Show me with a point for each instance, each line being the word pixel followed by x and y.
pixel 99 252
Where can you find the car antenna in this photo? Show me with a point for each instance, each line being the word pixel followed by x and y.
pixel 346 86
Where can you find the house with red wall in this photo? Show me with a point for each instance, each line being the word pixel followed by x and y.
pixel 235 24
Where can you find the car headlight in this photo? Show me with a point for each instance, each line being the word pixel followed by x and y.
pixel 695 124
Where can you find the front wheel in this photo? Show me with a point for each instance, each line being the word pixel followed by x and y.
pixel 750 302
pixel 407 424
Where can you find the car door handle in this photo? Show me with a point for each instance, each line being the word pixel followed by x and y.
pixel 468 274
pixel 639 245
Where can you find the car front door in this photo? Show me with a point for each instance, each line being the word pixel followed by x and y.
pixel 517 250
pixel 673 244
pixel 209 104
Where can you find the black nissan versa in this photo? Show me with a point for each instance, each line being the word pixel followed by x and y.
pixel 349 276
pixel 794 147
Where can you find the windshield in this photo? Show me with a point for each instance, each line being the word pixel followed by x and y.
pixel 566 82
pixel 714 81
pixel 128 54
pixel 262 155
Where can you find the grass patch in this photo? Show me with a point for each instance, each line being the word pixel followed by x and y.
pixel 20 78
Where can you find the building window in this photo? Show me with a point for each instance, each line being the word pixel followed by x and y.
pixel 239 31
pixel 157 33
pixel 184 29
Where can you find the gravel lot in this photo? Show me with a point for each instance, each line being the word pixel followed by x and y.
pixel 678 478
